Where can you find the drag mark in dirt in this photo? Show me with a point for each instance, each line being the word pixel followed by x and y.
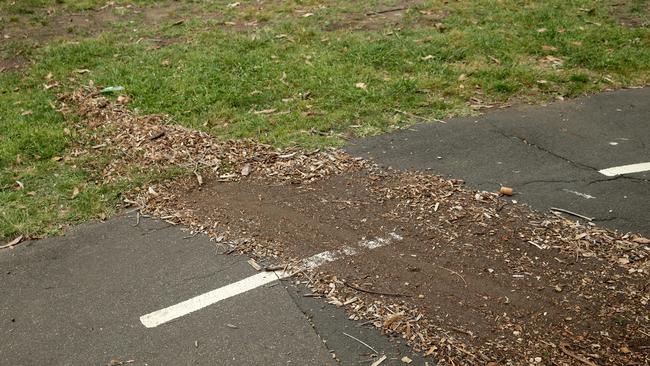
pixel 199 302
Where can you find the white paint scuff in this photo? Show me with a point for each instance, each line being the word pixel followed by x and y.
pixel 583 195
pixel 199 302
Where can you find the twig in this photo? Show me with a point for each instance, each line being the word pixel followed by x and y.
pixel 13 243
pixel 453 272
pixel 571 213
pixel 377 12
pixel 576 356
pixel 375 292
pixel 362 342
pixel 137 219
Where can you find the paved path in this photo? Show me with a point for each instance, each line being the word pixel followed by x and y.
pixel 78 299
pixel 552 156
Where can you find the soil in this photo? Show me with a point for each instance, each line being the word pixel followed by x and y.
pixel 463 276
pixel 57 24
pixel 466 267
pixel 632 13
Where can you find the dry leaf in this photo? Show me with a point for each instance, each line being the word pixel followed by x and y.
pixel 307 15
pixel 405 359
pixel 426 58
pixel 27 113
pixel 361 86
pixel 82 71
pixel 75 192
pixel 233 5
pixel 19 185
pixel 246 170
pixel 548 48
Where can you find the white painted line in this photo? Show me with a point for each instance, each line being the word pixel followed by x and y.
pixel 199 302
pixel 625 169
pixel 165 315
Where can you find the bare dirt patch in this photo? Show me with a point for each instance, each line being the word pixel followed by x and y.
pixel 632 13
pixel 472 280
pixel 57 24
pixel 385 18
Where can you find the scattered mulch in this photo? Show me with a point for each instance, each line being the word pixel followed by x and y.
pixel 474 279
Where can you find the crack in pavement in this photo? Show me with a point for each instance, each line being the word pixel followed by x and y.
pixel 574 163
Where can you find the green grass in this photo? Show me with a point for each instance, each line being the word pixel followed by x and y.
pixel 214 77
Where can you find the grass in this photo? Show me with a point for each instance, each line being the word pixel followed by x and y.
pixel 215 77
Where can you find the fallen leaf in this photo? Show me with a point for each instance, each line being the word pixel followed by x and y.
pixel 392 318
pixel 27 113
pixel 548 48
pixel 19 185
pixel 82 71
pixel 75 192
pixel 361 86
pixel 232 326
pixel 233 5
pixel 246 170
pixel 306 15
pixel 123 99
pixel 405 359
pixel 426 58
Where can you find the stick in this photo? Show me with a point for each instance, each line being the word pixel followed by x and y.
pixel 375 292
pixel 377 12
pixel 137 219
pixel 362 342
pixel 13 243
pixel 453 272
pixel 571 213
pixel 577 357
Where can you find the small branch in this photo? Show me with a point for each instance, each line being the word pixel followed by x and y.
pixel 377 12
pixel 571 213
pixel 576 356
pixel 453 272
pixel 375 292
pixel 362 342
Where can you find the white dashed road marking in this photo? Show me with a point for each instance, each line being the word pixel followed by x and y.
pixel 625 169
pixel 165 315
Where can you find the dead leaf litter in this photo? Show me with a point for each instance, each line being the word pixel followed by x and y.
pixel 483 281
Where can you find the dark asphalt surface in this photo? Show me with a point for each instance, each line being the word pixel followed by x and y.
pixel 77 299
pixel 550 155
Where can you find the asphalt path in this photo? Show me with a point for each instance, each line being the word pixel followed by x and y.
pixel 552 156
pixel 78 299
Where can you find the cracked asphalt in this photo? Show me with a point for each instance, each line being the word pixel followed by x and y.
pixel 77 299
pixel 550 155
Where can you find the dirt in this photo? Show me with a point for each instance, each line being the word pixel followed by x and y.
pixel 463 276
pixel 58 24
pixel 398 15
pixel 477 281
pixel 632 13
